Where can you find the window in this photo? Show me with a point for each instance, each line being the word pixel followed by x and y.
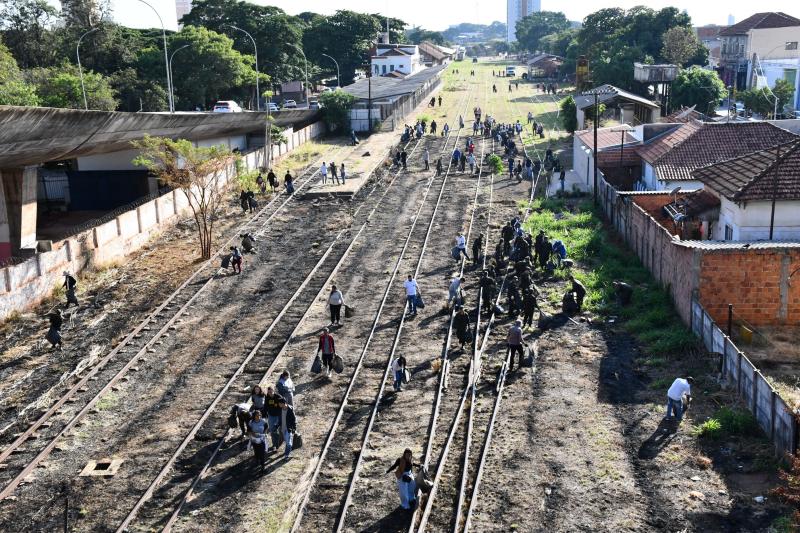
pixel 391 68
pixel 728 233
pixel 792 45
pixel 383 68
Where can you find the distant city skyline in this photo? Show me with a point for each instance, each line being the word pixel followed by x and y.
pixel 441 15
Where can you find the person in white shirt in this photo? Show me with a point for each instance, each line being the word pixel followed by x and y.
pixel 461 245
pixel 411 294
pixel 336 301
pixel 398 368
pixel 680 387
pixel 324 171
pixel 453 291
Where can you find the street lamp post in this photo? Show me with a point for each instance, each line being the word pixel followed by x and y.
pixel 305 91
pixel 166 57
pixel 172 55
pixel 80 69
pixel 338 79
pixel 255 48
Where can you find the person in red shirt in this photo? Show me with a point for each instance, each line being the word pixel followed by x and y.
pixel 328 349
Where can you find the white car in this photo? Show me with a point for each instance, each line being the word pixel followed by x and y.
pixel 274 107
pixel 289 104
pixel 227 106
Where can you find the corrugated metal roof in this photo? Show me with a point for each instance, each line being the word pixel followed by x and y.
pixel 383 87
pixel 738 245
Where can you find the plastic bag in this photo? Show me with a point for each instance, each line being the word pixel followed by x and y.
pixel 338 364
pixel 316 366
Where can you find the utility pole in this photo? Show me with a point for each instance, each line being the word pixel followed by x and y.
pixel 369 101
pixel 774 193
pixel 594 155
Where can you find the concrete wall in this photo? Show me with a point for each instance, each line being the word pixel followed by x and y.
pixel 750 221
pixel 25 285
pixel 121 160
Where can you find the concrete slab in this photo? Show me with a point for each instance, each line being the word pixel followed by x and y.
pixel 571 181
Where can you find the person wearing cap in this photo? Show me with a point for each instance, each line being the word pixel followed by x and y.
pixel 514 342
pixel 69 284
pixel 681 388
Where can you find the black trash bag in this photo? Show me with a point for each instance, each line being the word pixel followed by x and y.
pixel 349 312
pixel 338 364
pixel 316 366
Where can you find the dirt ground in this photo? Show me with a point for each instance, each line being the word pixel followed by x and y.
pixel 776 352
pixel 578 445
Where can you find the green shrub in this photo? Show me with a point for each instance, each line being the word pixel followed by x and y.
pixel 711 429
pixel 737 422
pixel 496 164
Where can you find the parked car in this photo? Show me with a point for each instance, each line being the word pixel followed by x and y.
pixel 227 106
pixel 289 104
pixel 511 71
pixel 273 106
pixel 314 104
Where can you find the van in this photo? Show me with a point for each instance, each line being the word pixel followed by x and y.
pixel 227 106
pixel 511 71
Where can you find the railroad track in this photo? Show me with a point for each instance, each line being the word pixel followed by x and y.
pixel 456 499
pixel 324 503
pixel 33 445
pixel 61 424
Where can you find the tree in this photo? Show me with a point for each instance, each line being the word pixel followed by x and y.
pixel 85 13
pixel 569 114
pixel 347 36
pixel 397 28
pixel 758 101
pixel 209 69
pixel 197 172
pixel 26 26
pixel 336 106
pixel 279 36
pixel 418 35
pixel 531 29
pixel 13 89
pixel 697 87
pixel 784 91
pixel 136 93
pixel 61 87
pixel 558 43
pixel 680 45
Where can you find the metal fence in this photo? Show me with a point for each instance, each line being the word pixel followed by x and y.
pixel 773 414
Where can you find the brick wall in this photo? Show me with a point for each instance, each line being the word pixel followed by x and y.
pixel 757 283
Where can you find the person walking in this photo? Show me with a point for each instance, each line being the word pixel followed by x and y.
pixel 244 201
pixel 454 291
pixel 54 332
pixel 343 173
pixel 412 289
pixel 288 182
pixel 236 260
pixel 327 348
pixel 433 127
pixel 514 342
pixel 273 180
pixel 285 387
pixel 258 429
pixel 406 485
pixel 446 130
pixel 335 302
pixel 681 388
pixel 323 170
pixel 334 173
pixel 258 399
pixel 528 307
pixel 288 426
pixel 404 159
pixel 398 369
pixel 461 245
pixel 461 325
pixel 488 287
pixel 273 415
pixel 460 122
pixel 70 283
pixel 426 157
pixel 439 168
pixel 530 117
pixel 471 163
pixel 477 246
pixel 440 101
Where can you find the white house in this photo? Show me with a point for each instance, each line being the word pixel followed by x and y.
pixel 747 186
pixel 403 59
pixel 669 159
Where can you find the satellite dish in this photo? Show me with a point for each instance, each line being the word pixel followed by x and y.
pixel 674 191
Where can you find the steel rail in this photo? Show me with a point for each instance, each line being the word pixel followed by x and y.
pixel 209 462
pixel 76 388
pixel 351 484
pixel 445 349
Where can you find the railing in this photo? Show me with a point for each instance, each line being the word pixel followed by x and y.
pixel 771 411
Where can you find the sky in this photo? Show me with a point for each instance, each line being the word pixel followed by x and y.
pixel 438 15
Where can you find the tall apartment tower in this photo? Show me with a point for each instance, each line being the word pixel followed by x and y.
pixel 518 9
pixel 182 7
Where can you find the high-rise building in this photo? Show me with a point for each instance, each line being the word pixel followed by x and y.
pixel 518 9
pixel 182 7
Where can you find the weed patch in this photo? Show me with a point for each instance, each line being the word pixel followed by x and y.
pixel 650 316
